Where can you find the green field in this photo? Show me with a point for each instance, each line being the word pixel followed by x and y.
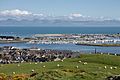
pixel 69 69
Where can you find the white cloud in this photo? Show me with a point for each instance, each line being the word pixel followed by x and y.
pixel 118 19
pixel 76 15
pixel 22 14
pixel 15 12
pixel 38 14
pixel 19 15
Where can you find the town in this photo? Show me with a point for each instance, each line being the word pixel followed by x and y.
pixel 76 38
pixel 9 54
pixel 82 39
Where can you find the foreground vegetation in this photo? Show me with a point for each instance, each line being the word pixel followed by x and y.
pixel 86 67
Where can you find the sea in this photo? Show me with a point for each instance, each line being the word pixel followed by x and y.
pixel 26 31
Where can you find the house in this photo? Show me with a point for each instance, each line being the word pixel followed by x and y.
pixel 7 38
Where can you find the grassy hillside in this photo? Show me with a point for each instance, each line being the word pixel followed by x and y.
pixel 87 67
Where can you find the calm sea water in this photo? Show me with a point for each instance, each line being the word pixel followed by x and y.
pixel 72 47
pixel 29 31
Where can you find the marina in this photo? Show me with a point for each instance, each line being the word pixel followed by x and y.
pixel 64 38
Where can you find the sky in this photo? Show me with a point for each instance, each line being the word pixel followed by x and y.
pixel 94 8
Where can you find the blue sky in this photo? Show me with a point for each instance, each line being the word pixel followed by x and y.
pixel 94 8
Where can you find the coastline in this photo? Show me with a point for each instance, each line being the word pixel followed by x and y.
pixel 101 45
pixel 13 41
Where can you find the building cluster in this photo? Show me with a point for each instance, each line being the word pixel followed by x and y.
pixel 76 38
pixel 9 54
pixel 7 38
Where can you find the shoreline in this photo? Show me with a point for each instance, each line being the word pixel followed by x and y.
pixel 100 45
pixel 4 42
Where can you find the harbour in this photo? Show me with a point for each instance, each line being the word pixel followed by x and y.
pixel 80 48
pixel 58 41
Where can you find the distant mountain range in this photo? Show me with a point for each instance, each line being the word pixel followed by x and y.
pixel 25 18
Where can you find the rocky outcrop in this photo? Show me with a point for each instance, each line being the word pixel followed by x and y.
pixel 116 77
